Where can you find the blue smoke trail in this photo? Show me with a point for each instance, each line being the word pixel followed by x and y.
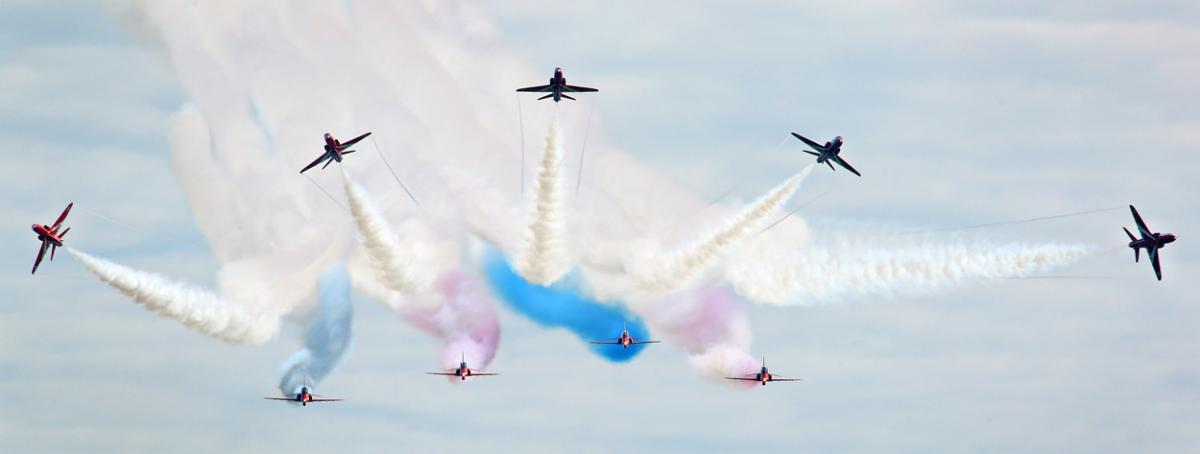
pixel 327 336
pixel 562 306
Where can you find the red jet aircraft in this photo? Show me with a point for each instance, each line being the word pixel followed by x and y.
pixel 50 237
pixel 334 150
pixel 462 372
pixel 763 376
pixel 557 88
pixel 304 396
pixel 625 340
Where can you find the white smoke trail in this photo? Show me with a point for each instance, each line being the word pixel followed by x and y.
pixel 542 259
pixel 793 270
pixel 680 268
pixel 195 307
pixel 408 266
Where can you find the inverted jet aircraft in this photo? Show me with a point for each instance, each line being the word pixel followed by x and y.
pixel 625 340
pixel 462 372
pixel 1150 241
pixel 304 396
pixel 557 87
pixel 334 150
pixel 50 237
pixel 829 152
pixel 763 376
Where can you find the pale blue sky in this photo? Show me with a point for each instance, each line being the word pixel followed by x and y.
pixel 957 113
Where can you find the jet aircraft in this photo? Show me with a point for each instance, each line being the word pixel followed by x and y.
pixel 763 376
pixel 462 372
pixel 1150 241
pixel 334 150
pixel 625 340
pixel 304 396
pixel 557 88
pixel 50 237
pixel 831 151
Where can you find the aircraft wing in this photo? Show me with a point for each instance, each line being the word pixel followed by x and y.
pixel 786 379
pixel 645 342
pixel 324 399
pixel 314 163
pixel 816 146
pixel 843 163
pixel 353 141
pixel 483 373
pixel 448 374
pixel 604 342
pixel 576 88
pixel 1141 225
pixel 538 88
pixel 1154 261
pixel 41 253
pixel 280 398
pixel 741 378
pixel 58 222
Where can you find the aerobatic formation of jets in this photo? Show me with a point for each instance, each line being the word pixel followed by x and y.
pixel 557 88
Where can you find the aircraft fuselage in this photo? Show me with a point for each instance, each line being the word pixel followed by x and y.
pixel 44 234
pixel 333 147
pixel 1156 241
pixel 463 371
pixel 557 83
pixel 763 376
pixel 832 148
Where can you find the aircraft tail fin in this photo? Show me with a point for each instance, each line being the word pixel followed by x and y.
pixel 52 249
pixel 327 163
pixel 831 166
pixel 1137 255
pixel 544 97
pixel 568 97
